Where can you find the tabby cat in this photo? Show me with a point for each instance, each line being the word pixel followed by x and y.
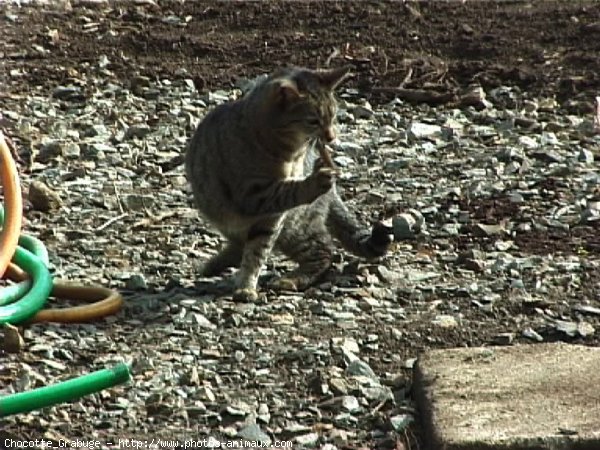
pixel 255 176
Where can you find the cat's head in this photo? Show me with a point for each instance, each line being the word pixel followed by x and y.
pixel 301 102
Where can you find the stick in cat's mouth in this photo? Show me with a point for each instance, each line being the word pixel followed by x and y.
pixel 325 153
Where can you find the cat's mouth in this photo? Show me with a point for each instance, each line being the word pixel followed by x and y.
pixel 328 135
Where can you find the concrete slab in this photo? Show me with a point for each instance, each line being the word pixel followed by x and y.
pixel 525 397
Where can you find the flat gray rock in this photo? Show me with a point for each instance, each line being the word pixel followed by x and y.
pixel 525 397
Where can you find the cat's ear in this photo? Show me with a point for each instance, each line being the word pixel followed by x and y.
pixel 332 78
pixel 286 91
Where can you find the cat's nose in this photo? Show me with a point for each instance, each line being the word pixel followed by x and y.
pixel 329 134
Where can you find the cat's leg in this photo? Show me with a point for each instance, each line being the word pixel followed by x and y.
pixel 312 265
pixel 353 235
pixel 273 196
pixel 229 256
pixel 259 242
pixel 305 239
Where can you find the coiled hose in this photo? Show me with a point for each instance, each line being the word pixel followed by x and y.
pixel 14 205
pixel 23 300
pixel 105 301
pixel 31 261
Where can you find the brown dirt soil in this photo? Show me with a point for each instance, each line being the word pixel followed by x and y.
pixel 545 47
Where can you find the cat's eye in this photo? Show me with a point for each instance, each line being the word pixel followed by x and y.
pixel 314 122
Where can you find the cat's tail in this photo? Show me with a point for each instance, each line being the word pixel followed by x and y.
pixel 355 237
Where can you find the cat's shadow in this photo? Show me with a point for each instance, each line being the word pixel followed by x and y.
pixel 162 302
pixel 155 303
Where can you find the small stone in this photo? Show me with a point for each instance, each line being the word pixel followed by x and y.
pixel 66 92
pixel 338 386
pixel 394 165
pixel 217 97
pixel 548 156
pixel 307 440
pixel 515 197
pixel 98 148
pixel 589 215
pixel 586 309
pixel 346 345
pixel 419 130
pixel 362 111
pixel 419 219
pixel 504 339
pixel 138 84
pixel 403 225
pixel 350 404
pixel 567 327
pixel 476 265
pixel 12 341
pixel 96 130
pixel 452 229
pixel 487 230
pixel 549 138
pixel 503 246
pixel 528 142
pixel 445 321
pixel 203 322
pixel 318 385
pixel 252 432
pixel 137 131
pixel 43 198
pixel 400 422
pixel 136 202
pixel 191 378
pixel 206 393
pixel 386 275
pixel 72 150
pixel 136 282
pixel 344 161
pixel 329 447
pixel 151 93
pixel 585 329
pixel 471 254
pixel 49 152
pixel 585 156
pixel 263 414
pixel 475 96
pixel 530 333
pixel 350 148
pixel 361 368
pixel 376 393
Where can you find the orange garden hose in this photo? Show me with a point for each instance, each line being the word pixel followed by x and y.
pixel 106 301
pixel 13 206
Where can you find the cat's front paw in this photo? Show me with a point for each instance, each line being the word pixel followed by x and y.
pixel 381 239
pixel 246 295
pixel 320 182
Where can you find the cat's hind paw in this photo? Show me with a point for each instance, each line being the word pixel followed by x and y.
pixel 285 284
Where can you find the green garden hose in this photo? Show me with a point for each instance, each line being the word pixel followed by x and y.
pixel 66 391
pixel 13 292
pixel 36 297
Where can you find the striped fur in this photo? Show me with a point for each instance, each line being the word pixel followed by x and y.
pixel 247 164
